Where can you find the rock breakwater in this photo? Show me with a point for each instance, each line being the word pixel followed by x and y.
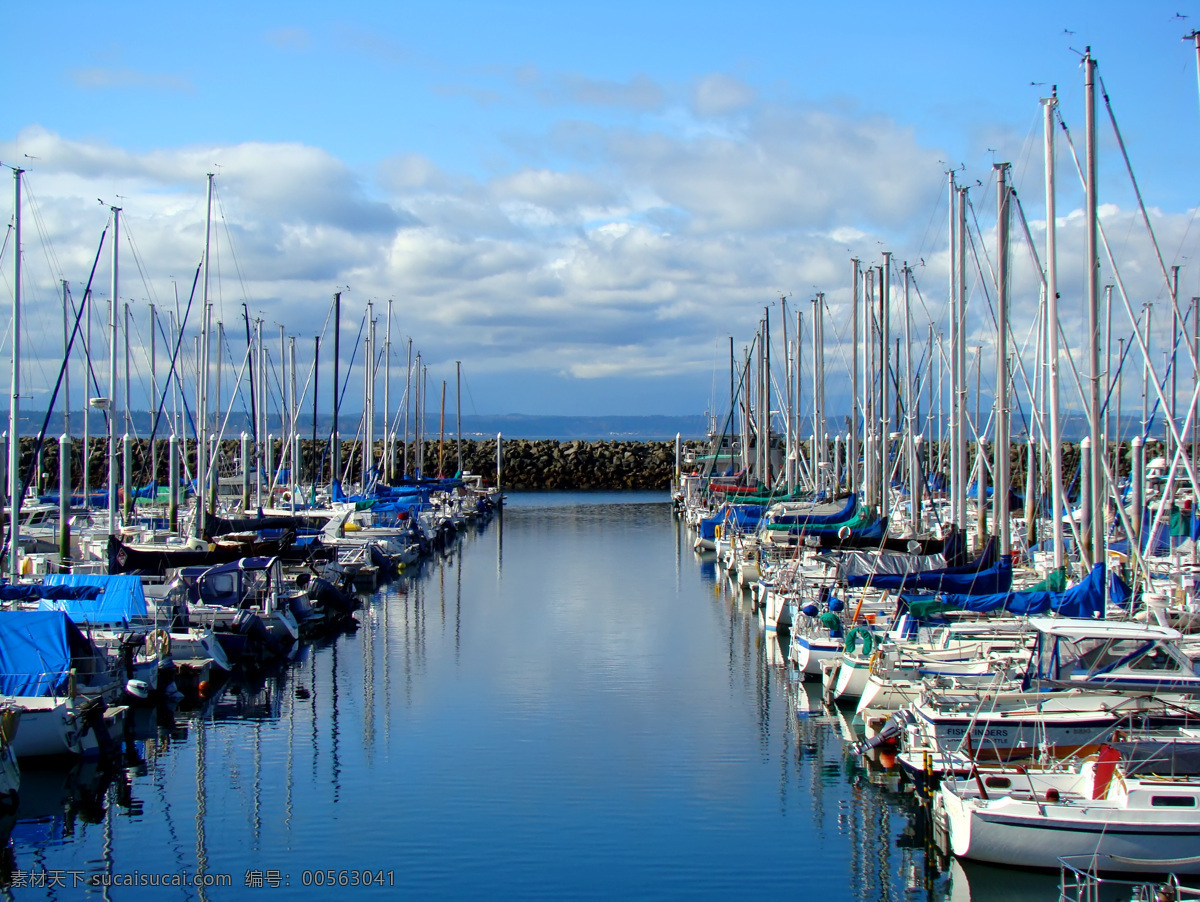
pixel 528 464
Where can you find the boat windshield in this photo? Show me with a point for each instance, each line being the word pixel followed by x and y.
pixel 1087 658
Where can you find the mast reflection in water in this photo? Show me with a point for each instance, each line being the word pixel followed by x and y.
pixel 568 703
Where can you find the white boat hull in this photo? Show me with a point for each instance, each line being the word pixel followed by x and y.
pixel 1027 834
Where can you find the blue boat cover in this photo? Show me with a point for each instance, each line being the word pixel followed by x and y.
pixel 120 598
pixel 798 519
pixel 35 652
pixel 741 518
pixel 984 576
pixel 36 592
pixel 1083 600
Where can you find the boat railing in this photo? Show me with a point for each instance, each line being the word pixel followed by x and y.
pixel 1080 881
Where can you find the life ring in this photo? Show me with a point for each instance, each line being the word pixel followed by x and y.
pixel 158 643
pixel 860 632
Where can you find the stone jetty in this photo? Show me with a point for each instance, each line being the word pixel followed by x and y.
pixel 529 464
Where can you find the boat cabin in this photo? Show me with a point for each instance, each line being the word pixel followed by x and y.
pixel 1111 655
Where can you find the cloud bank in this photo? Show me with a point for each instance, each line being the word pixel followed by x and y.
pixel 608 255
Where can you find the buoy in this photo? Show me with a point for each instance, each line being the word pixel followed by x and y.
pixel 887 760
pixel 202 689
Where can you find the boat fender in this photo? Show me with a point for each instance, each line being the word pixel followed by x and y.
pixel 1103 770
pixel 158 643
pixel 853 637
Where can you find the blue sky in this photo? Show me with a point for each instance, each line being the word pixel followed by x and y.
pixel 581 203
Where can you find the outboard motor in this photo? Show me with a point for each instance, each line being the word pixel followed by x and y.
pixel 250 625
pixel 383 561
pixel 329 596
pixel 91 714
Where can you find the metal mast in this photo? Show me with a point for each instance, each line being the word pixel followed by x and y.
pixel 960 353
pixel 1094 524
pixel 1050 104
pixel 1000 516
pixel 14 401
pixel 852 442
pixel 202 387
pixel 112 379
pixel 955 338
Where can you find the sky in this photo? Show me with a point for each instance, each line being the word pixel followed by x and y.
pixel 582 204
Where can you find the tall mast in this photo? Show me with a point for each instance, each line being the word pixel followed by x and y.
pixel 418 423
pixel 789 469
pixel 852 440
pixel 285 407
pixel 885 337
pixel 868 388
pixel 955 338
pixel 797 379
pixel 1052 341
pixel 293 424
pixel 1174 354
pixel 1000 517
pixel 67 369
pixel 112 379
pixel 960 353
pixel 910 410
pixel 1094 525
pixel 86 456
pixel 202 387
pixel 816 395
pixel 732 389
pixel 389 460
pixel 819 375
pixel 153 390
pixel 14 401
pixel 335 440
pixel 458 411
pixel 128 404
pixel 368 455
pixel 317 458
pixel 264 452
pixel 765 406
pixel 1194 37
pixel 408 371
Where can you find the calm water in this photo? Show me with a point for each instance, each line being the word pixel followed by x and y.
pixel 570 705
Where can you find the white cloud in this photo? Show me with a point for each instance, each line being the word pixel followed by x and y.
pixel 719 95
pixel 103 79
pixel 627 256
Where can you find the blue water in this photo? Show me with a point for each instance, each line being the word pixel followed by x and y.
pixel 568 705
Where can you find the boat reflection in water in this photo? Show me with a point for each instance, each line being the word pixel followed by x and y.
pixel 550 708
pixel 969 881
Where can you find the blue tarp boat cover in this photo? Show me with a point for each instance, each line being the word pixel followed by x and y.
pixel 732 517
pixel 406 492
pixel 36 648
pixel 983 576
pixel 120 600
pixel 1083 600
pixel 10 592
pixel 802 519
